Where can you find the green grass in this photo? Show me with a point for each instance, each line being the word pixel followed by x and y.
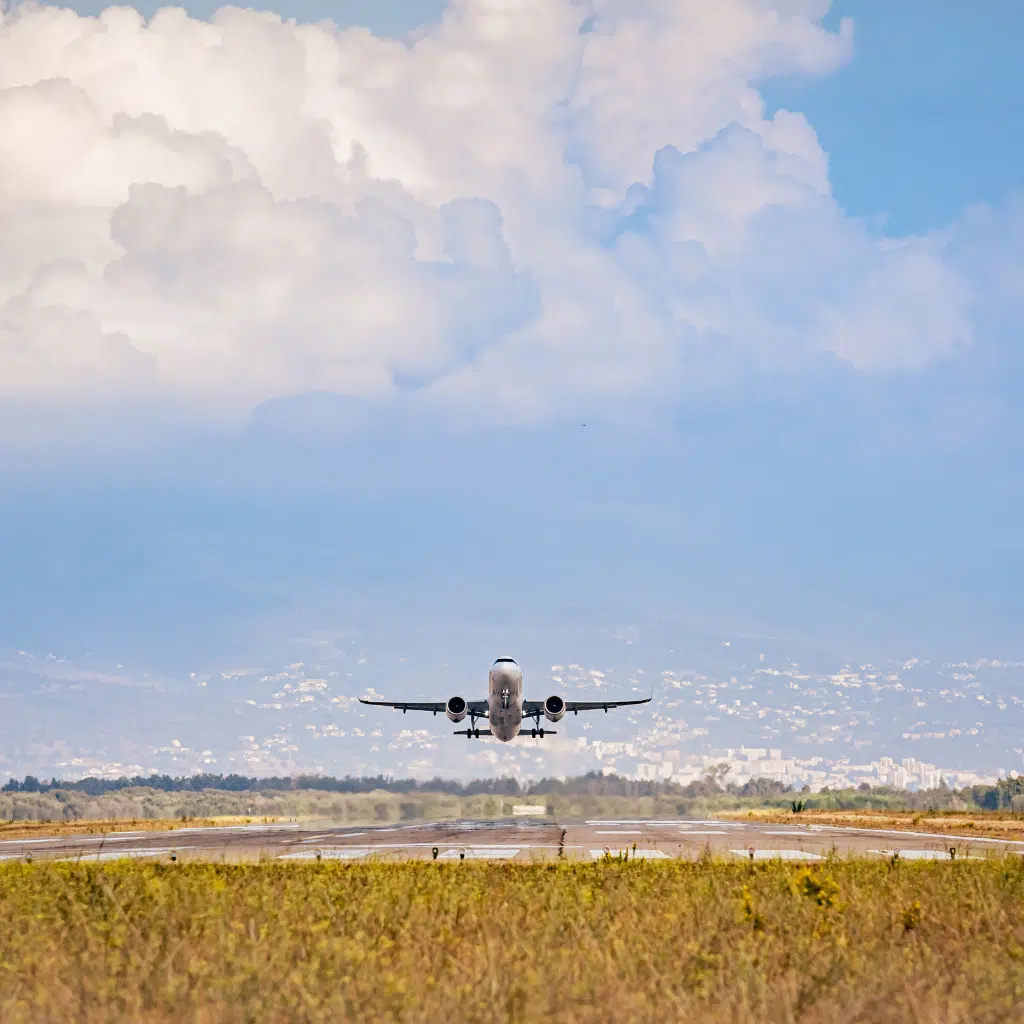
pixel 847 940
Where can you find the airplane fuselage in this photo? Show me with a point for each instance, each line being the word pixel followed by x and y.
pixel 505 699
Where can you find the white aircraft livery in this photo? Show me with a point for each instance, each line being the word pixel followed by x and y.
pixel 505 708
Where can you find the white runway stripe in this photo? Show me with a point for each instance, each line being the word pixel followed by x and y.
pixel 335 854
pixel 781 854
pixel 632 855
pixel 480 853
pixel 922 854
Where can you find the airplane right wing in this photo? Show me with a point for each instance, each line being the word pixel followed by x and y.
pixel 535 708
pixel 576 706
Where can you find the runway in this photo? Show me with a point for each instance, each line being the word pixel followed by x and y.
pixel 507 839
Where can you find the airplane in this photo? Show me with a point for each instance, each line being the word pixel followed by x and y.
pixel 505 708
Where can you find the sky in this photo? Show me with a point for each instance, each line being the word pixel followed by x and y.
pixel 505 314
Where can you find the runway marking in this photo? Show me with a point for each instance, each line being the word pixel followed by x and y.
pixel 781 854
pixel 458 846
pixel 329 854
pixel 954 839
pixel 922 855
pixel 333 835
pixel 780 832
pixel 631 854
pixel 252 829
pixel 97 855
pixel 918 835
pixel 481 853
pixel 620 832
pixel 675 822
pixel 702 832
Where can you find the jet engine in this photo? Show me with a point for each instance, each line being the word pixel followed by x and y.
pixel 456 708
pixel 554 709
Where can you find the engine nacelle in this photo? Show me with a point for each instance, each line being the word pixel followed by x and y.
pixel 554 709
pixel 456 709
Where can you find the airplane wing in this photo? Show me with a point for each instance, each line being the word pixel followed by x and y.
pixel 473 707
pixel 533 708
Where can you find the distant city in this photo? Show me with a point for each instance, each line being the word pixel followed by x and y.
pixel 738 709
pixel 816 773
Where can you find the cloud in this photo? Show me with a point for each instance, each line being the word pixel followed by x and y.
pixel 530 209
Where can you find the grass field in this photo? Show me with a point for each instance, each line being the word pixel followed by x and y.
pixel 610 941
pixel 39 829
pixel 993 824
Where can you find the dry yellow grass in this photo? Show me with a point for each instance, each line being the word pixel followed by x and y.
pixel 612 941
pixel 40 829
pixel 995 824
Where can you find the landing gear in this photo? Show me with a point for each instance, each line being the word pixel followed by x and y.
pixel 535 732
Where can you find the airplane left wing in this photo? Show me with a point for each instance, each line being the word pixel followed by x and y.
pixel 473 707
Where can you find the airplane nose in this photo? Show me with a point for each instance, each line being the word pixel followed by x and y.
pixel 505 668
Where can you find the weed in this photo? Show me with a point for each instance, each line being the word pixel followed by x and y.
pixel 911 916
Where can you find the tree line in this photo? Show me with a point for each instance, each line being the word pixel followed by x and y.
pixel 1006 794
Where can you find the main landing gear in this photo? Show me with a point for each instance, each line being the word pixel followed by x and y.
pixel 539 732
pixel 468 733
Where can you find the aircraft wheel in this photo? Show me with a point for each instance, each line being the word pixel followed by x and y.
pixel 542 734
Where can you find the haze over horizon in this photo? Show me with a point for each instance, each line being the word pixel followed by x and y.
pixel 511 325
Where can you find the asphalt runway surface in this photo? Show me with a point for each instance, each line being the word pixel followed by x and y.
pixel 522 839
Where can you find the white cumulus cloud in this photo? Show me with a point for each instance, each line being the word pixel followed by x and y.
pixel 533 206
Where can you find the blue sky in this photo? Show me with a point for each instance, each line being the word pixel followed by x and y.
pixel 860 492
